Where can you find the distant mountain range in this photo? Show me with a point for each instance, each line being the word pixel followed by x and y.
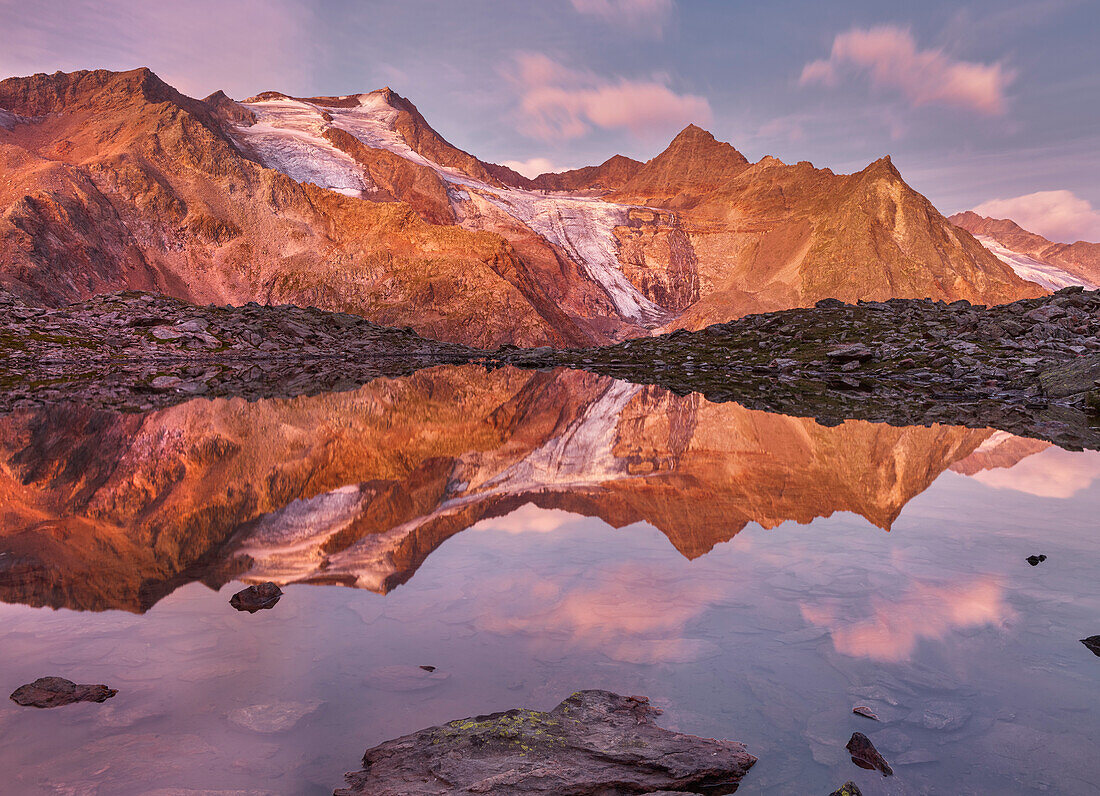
pixel 1053 265
pixel 118 181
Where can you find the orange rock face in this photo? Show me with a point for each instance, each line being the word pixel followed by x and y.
pixel 117 181
pixel 101 511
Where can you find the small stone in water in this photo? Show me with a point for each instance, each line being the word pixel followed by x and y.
pixel 863 710
pixel 1035 560
pixel 428 668
pixel 865 755
pixel 255 598
pixel 53 692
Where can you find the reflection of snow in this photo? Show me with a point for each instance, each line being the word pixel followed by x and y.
pixel 289 545
pixel 1049 276
pixel 289 137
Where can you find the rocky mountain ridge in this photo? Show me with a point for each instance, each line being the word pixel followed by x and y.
pixel 116 181
pixel 1067 263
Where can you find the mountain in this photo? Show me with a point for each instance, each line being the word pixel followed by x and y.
pixel 115 180
pixel 101 510
pixel 1053 265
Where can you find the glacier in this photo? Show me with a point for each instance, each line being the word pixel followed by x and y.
pixel 289 136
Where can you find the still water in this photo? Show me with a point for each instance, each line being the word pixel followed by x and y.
pixel 529 535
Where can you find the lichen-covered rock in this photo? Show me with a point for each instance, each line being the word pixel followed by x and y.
pixel 53 692
pixel 849 788
pixel 595 742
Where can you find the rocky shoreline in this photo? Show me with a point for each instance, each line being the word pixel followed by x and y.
pixel 1031 367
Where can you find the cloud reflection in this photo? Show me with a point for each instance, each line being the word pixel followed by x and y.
pixel 923 612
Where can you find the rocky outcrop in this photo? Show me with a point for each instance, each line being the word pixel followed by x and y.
pixel 595 743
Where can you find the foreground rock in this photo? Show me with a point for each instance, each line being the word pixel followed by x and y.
pixel 54 692
pixel 256 598
pixel 595 742
pixel 1093 643
pixel 865 755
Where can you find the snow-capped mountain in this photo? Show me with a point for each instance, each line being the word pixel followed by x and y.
pixel 355 203
pixel 1033 257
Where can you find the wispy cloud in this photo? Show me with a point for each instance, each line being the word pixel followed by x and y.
pixel 889 57
pixel 1058 215
pixel 637 16
pixel 556 101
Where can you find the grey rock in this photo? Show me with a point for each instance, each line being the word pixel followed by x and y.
pixel 595 742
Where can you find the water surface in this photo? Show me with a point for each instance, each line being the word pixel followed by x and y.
pixel 529 535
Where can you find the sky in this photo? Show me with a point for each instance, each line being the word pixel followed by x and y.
pixel 990 104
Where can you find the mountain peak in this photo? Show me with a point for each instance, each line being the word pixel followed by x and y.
pixel 695 162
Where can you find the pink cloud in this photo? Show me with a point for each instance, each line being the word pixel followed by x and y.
pixel 645 16
pixel 889 56
pixel 559 102
pixel 1058 215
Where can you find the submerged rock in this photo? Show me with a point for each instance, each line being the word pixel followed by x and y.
pixel 1093 643
pixel 53 692
pixel 865 755
pixel 595 742
pixel 849 788
pixel 256 598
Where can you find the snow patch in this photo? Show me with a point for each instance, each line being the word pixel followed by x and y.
pixel 288 137
pixel 1049 276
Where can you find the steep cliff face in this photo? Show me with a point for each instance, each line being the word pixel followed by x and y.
pixel 1055 265
pixel 355 203
pixel 105 511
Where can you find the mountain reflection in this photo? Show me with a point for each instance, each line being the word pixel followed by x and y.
pixel 106 511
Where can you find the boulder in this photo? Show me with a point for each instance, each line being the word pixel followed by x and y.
pixel 1093 643
pixel 53 692
pixel 595 742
